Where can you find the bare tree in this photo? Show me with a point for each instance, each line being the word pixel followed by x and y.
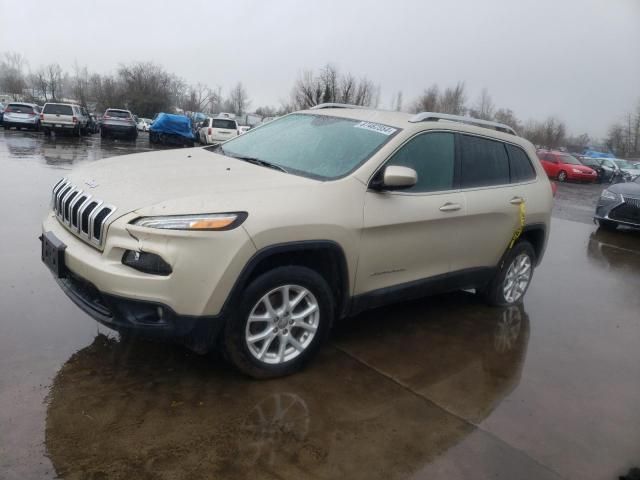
pixel 484 107
pixel 428 101
pixel 506 116
pixel 199 98
pixel 12 76
pixel 453 100
pixel 396 103
pixel 148 88
pixel 328 78
pixel 238 99
pixel 80 85
pixel 53 74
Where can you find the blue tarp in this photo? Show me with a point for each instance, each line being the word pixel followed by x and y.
pixel 173 124
pixel 597 154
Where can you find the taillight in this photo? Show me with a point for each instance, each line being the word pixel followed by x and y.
pixel 209 131
pixel 238 131
pixel 42 116
pixel 8 110
pixel 75 119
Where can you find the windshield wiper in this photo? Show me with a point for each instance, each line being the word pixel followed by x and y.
pixel 255 161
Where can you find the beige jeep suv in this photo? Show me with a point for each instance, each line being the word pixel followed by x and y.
pixel 259 244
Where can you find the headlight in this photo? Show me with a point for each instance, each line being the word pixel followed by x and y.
pixel 208 221
pixel 575 170
pixel 607 195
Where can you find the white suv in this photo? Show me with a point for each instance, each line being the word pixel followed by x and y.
pixel 217 130
pixel 259 244
pixel 63 117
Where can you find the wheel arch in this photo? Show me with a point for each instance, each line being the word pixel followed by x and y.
pixel 326 257
pixel 536 235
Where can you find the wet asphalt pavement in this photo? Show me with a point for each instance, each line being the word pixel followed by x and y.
pixel 441 388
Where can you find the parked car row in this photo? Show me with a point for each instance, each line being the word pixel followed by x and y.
pixel 564 167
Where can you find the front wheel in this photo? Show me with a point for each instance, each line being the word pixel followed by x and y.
pixel 282 318
pixel 513 277
pixel 562 176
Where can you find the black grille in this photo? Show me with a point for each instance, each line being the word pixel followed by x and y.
pixel 97 223
pixel 628 212
pixel 74 210
pixel 85 216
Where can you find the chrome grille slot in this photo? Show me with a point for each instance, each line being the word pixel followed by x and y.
pixel 79 212
pixel 634 202
pixel 85 216
pixel 74 210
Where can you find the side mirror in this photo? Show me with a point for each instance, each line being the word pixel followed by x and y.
pixel 395 177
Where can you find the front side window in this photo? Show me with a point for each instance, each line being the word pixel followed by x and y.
pixel 318 146
pixel 432 156
pixel 484 162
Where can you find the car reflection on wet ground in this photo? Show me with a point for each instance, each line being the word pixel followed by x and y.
pixel 440 388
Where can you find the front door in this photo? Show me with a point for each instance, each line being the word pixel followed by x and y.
pixel 410 234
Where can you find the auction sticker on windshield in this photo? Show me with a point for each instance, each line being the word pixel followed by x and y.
pixel 376 127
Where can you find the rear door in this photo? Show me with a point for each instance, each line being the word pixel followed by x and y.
pixel 223 129
pixel 494 177
pixel 409 235
pixel 58 114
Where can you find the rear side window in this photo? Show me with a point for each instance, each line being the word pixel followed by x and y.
pixel 483 162
pixel 432 156
pixel 221 123
pixel 56 109
pixel 521 168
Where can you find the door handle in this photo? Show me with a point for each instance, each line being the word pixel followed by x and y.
pixel 516 200
pixel 450 207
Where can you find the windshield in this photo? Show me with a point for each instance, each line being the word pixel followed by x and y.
pixel 570 159
pixel 315 145
pixel 623 164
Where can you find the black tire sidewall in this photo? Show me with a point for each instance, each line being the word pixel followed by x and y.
pixel 234 343
pixel 494 293
pixel 561 178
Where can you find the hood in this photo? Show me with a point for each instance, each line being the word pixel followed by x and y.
pixel 629 188
pixel 184 181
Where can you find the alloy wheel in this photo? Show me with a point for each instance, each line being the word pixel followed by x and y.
pixel 282 324
pixel 517 278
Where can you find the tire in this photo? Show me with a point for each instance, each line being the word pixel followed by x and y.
pixel 495 293
pixel 562 176
pixel 103 134
pixel 278 327
pixel 607 225
pixel 47 132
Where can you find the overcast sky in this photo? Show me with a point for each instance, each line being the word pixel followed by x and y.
pixel 577 59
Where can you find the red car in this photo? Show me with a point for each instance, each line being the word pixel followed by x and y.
pixel 563 167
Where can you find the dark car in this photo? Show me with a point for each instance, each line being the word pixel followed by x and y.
pixel 118 123
pixel 1 112
pixel 619 205
pixel 605 175
pixel 92 124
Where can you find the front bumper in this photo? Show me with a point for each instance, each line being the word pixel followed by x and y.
pixel 147 318
pixel 204 264
pixel 626 212
pixel 583 177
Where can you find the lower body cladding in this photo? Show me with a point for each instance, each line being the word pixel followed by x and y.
pixel 186 304
pixel 139 317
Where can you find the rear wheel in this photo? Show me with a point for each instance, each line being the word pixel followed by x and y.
pixel 282 318
pixel 562 176
pixel 513 277
pixel 47 132
pixel 608 225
